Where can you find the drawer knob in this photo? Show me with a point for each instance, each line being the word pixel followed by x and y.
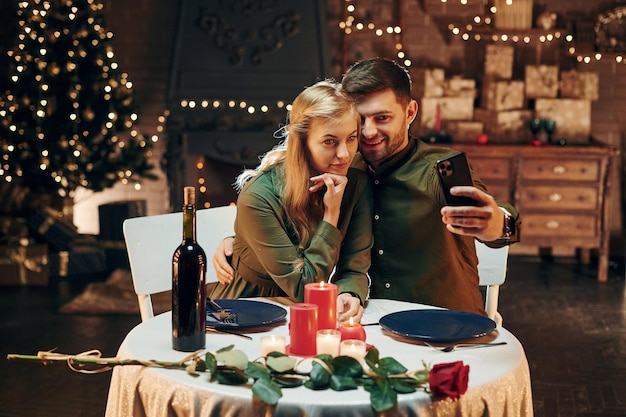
pixel 558 170
pixel 555 197
pixel 552 224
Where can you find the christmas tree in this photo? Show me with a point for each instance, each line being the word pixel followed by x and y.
pixel 67 119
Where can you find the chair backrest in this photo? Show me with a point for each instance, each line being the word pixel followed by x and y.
pixel 492 267
pixel 151 241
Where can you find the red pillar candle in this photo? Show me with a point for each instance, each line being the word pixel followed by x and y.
pixel 324 295
pixel 352 330
pixel 302 329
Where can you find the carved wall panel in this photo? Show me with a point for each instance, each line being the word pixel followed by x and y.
pixel 237 65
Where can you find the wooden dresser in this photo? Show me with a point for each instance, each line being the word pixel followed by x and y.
pixel 560 192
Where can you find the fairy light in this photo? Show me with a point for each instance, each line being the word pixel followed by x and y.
pixel 597 57
pixel 481 29
pixel 485 32
pixel 591 57
pixel 350 25
pixel 241 105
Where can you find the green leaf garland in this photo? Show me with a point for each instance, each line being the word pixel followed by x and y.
pixel 383 378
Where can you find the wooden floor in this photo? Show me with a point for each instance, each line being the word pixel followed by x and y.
pixel 573 330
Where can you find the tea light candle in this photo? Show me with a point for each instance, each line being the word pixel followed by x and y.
pixel 324 295
pixel 272 343
pixel 327 341
pixel 352 330
pixel 353 348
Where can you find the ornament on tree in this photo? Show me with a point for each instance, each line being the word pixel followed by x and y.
pixel 88 114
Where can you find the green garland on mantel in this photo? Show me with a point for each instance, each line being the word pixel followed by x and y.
pixel 383 378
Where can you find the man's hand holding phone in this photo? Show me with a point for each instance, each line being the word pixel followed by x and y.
pixel 469 210
pixel 483 220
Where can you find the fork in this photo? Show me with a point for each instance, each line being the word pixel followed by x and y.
pixel 220 313
pixel 450 348
pixel 227 317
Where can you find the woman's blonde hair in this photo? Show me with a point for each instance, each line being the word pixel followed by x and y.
pixel 323 100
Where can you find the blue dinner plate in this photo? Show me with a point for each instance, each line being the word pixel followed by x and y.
pixel 433 325
pixel 248 313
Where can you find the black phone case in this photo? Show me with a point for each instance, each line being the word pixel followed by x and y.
pixel 454 170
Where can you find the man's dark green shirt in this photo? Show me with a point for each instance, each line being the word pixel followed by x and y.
pixel 414 257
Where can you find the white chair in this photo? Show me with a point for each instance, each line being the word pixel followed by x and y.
pixel 492 266
pixel 151 241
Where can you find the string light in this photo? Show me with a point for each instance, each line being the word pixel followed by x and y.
pixel 241 105
pixel 481 30
pixel 595 56
pixel 350 24
pixel 598 56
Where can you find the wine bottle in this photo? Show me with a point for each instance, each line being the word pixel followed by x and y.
pixel 188 284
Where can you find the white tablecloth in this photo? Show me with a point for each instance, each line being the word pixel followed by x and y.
pixel 499 378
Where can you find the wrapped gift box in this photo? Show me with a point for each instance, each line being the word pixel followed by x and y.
pixel 12 230
pixel 460 87
pixel 509 126
pixel 572 117
pixel 428 82
pixel 499 62
pixel 503 95
pixel 450 108
pixel 112 216
pixel 516 14
pixel 542 81
pixel 77 261
pixel 24 265
pixel 576 84
pixel 53 228
pixel 116 254
pixel 463 131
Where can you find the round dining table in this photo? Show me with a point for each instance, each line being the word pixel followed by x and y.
pixel 499 377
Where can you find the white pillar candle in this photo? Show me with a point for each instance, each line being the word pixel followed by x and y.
pixel 327 341
pixel 354 348
pixel 272 343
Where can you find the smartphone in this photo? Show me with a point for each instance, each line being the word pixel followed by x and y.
pixel 452 171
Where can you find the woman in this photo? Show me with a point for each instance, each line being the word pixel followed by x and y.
pixel 304 212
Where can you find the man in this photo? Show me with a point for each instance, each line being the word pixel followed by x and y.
pixel 423 250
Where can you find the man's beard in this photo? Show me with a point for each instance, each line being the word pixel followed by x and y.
pixel 384 151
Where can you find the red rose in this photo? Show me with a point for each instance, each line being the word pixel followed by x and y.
pixel 449 379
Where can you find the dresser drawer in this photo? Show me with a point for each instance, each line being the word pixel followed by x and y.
pixel 499 191
pixel 558 198
pixel 548 169
pixel 558 225
pixel 492 168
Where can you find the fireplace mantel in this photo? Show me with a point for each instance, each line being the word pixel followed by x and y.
pixel 237 65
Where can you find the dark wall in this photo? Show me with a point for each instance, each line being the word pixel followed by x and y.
pixel 249 54
pixel 144 35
